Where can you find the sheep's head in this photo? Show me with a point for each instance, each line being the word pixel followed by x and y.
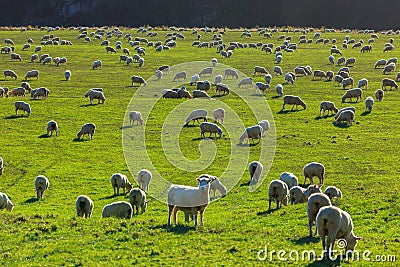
pixel 352 242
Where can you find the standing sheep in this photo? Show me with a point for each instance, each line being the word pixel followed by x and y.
pixel 379 95
pixel 231 72
pixel 195 115
pixel 347 81
pixel 52 126
pixel 138 79
pixel 279 89
pixel 95 94
pixel 255 170
pixel 5 202
pixel 195 78
pixel 265 125
pixel 369 104
pixel 315 203
pixel 180 75
pixel 218 79
pixel 21 105
pixel 289 178
pixel 279 192
pixel 84 206
pixel 245 81
pixel 209 127
pixel 119 209
pixel 345 115
pixel 220 87
pixel 32 74
pixel 294 101
pixel 389 82
pixel 301 195
pixel 363 82
pixel 217 185
pixel 67 75
pixel 41 185
pixel 137 198
pixel 89 129
pixel 144 178
pixel 118 181
pixel 352 93
pixel 219 115
pixel 314 169
pixel 251 133
pixel 333 191
pixel 135 116
pixel 11 74
pixel 327 105
pixel 205 71
pixel 97 64
pixel 199 93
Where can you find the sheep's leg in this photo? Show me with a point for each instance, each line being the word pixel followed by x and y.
pixel 194 217
pixel 293 107
pixel 310 223
pixel 201 217
pixel 277 204
pixel 269 204
pixel 170 208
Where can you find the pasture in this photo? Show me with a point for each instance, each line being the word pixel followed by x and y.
pixel 362 160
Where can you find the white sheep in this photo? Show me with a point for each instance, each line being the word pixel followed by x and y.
pixel 369 103
pixel 88 128
pixel 319 73
pixel 265 125
pixel 350 61
pixel 67 75
pixel 315 202
pixel 279 89
pixel 118 181
pixel 199 93
pixel 26 46
pixel 141 62
pixel 158 74
pixel 246 81
pixel 294 101
pixel 34 57
pixel 224 88
pixel 301 195
pixel 380 62
pixel 62 60
pixel 137 198
pixel 10 73
pixel 331 59
pixel 268 78
pixel 1 166
pixel 47 60
pixel 352 93
pixel 217 185
pixel 203 85
pixel 379 95
pixel 206 71
pixel 327 105
pixel 214 62
pixel 219 115
pixel 41 92
pixel 278 58
pixel 341 61
pixel 209 127
pixel 21 105
pixel 279 192
pixel 259 69
pixel 97 64
pixel 52 126
pixel 289 178
pixel 144 178
pixel 194 79
pixel 193 199
pixel 95 94
pixel 119 209
pixel 389 82
pixel 32 74
pixel 41 185
pixel 231 72
pixel 389 68
pixel 84 206
pixel 180 75
pixel 135 116
pixel 5 202
pixel 363 82
pixel 333 191
pixel 335 224
pixel 195 115
pixel 313 169
pixel 218 79
pixel 345 115
pixel 251 133
pixel 278 70
pixel 289 78
pixel 255 170
pixel 261 87
pixel 138 79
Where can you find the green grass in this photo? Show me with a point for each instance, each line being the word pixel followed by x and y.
pixel 362 160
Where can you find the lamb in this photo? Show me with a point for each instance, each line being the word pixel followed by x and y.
pixel 41 185
pixel 333 191
pixel 289 77
pixel 209 127
pixel 135 116
pixel 381 62
pixel 369 104
pixel 315 203
pixel 204 86
pixel 1 166
pixel 345 115
pixel 279 89
pixel 261 87
pixel 314 169
pixel 335 224
pixel 219 115
pixel 42 92
pixel 327 105
pixel 15 56
pixel 331 59
pixel 119 209
pixel 84 206
pixel 199 93
pixel 32 74
pixel 245 81
pixel 97 64
pixel 258 69
pixel 179 75
pixel 298 194
pixel 379 95
pixel 52 126
pixel 278 70
pixel 89 129
pixel 251 133
pixel 137 198
pixel 217 185
pixel 222 88
pixel 205 71
pixel 255 170
pixel 352 93
pixel 231 72
pixel 195 78
pixel 21 105
pixel 144 178
pixel 389 82
pixel 347 81
pixel 294 101
pixel 389 68
pixel 289 178
pixel 10 73
pixel 95 94
pixel 138 79
pixel 118 181
pixel 67 75
pixel 5 202
pixel 319 73
pixel 363 82
pixel 279 192
pixel 187 198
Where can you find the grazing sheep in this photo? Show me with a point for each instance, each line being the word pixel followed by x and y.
pixel 389 68
pixel 219 115
pixel 381 62
pixel 294 101
pixel 298 194
pixel 41 185
pixel 15 56
pixel 329 75
pixel 214 62
pixel 41 92
pixel 327 105
pixel 179 75
pixel 118 181
pixel 32 74
pixel 268 78
pixel 251 133
pixel 137 198
pixel 182 93
pixel 366 48
pixel 52 126
pixel 338 79
pixel 389 82
pixel 279 192
pixel 84 206
pixel 278 70
pixel 8 41
pixel 388 47
pixel 379 95
pixel 144 178
pixel 21 105
pixel 231 72
pixel 204 86
pixel 206 71
pixel 335 224
pixel 261 87
pixel 167 93
pixel 218 79
pixel 289 178
pixel 345 115
pixel 331 59
pixel 135 116
pixel 67 75
pixel 119 209
pixel 347 82
pixel 138 79
pixel 279 89
pixel 10 73
pixel 352 93
pixel 319 73
pixel 97 64
pixel 196 115
pixel 392 60
pixel 220 87
pixel 158 74
pixel 245 81
pixel 369 103
pixel 363 82
pixel 5 202
pixel 261 70
pixel 199 93
pixel 20 91
pixel 95 94
pixel 314 169
pixel 88 128
pixel 341 61
pixel 300 70
pixel 191 199
pixel 209 127
pixel 289 78
pixel 217 185
pixel 279 59
pixel 315 203
pixel 344 109
pixel 1 166
pixel 62 60
pixel 336 51
pixel 47 60
pixel 38 48
pixel 4 91
pixel 34 57
pixel 265 125
pixel 350 61
pixel 333 191
pixel 110 49
pixel 195 78
pixel 141 62
pixel 255 170
pixel 42 57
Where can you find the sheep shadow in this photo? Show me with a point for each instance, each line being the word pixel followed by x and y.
pixel 88 105
pixel 267 212
pixel 341 125
pixel 31 200
pixel 126 127
pixel 44 136
pixel 205 138
pixel 365 113
pixel 325 262
pixel 15 117
pixel 324 117
pixel 275 96
pixel 245 184
pixel 286 111
pixel 81 140
pixel 259 95
pixel 248 144
pixel 218 96
pixel 189 126
pixel 306 240
pixel 108 197
pixel 179 229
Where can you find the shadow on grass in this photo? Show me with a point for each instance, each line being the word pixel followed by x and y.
pixel 81 140
pixel 282 111
pixel 341 125
pixel 44 136
pixel 108 197
pixel 179 229
pixel 323 117
pixel 217 96
pixel 88 105
pixel 306 240
pixel 15 117
pixel 324 262
pixel 126 127
pixel 189 125
pixel 245 184
pixel 31 200
pixel 205 138
pixel 275 96
pixel 267 212
pixel 248 144
pixel 365 113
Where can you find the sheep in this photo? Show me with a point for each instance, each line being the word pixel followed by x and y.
pixel 258 69
pixel 8 41
pixel 329 75
pixel 126 51
pixel 388 47
pixel 251 133
pixel 10 73
pixel 313 169
pixel 182 93
pixel 350 61
pixel 278 59
pixel 369 103
pixel 34 57
pixel 218 79
pixel 204 86
pixel 261 87
pixel 389 82
pixel 279 192
pixel 179 75
pixel 47 60
pixel 319 73
pixel 381 62
pixel 84 206
pixel 298 194
pixel 4 91
pixel 366 48
pixel 42 92
pixel 315 202
pixel 1 166
pixel 217 185
pixel 294 101
pixel 42 57
pixel 196 115
pixel 209 127
pixel 97 64
pixel 137 198
pixel 279 89
pixel 21 105
pixel 199 93
pixel 392 60
pixel 327 105
pixel 222 88
pixel 300 70
pixel 193 199
pixel 245 81
pixel 231 72
pixel 17 92
pixel 289 78
pixel 6 50
pixel 289 178
pixel 144 178
pixel 219 115
pixel 38 48
pixel 110 49
pixel 95 94
pixel 5 202
pixel 88 128
pixel 265 125
pixel 352 93
pixel 341 61
pixel 141 62
pixel 255 170
pixel 278 70
pixel 268 78
pixel 32 74
pixel 336 51
pixel 345 115
pixel 335 224
pixel 135 116
pixel 363 82
pixel 67 75
pixel 15 56
pixel 333 191
pixel 389 68
pixel 118 181
pixel 379 95
pixel 167 93
pixel 41 185
pixel 56 60
pixel 158 74
pixel 205 71
pixel 347 82
pixel 214 62
pixel 62 60
pixel 138 79
pixel 338 79
pixel 119 209
pixel 331 59
pixel 195 78
pixel 52 126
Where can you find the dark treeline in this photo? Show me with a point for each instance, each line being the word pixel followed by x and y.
pixel 234 13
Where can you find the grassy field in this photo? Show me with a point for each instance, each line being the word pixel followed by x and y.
pixel 361 160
